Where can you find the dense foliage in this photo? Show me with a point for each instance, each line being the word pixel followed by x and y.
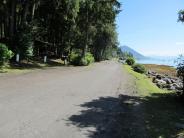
pixel 5 54
pixel 130 61
pixel 77 60
pixel 56 28
pixel 139 68
pixel 181 16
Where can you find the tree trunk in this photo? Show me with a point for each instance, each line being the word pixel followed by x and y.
pixel 25 12
pixel 12 19
pixel 33 10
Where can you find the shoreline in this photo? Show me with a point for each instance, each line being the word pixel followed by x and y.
pixel 164 77
pixel 162 69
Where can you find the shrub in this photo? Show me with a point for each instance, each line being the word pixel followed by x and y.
pixel 89 58
pixel 5 54
pixel 130 61
pixel 139 68
pixel 77 60
pixel 83 62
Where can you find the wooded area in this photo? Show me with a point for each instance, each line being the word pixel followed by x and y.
pixel 56 28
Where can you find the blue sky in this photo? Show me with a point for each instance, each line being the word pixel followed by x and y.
pixel 151 27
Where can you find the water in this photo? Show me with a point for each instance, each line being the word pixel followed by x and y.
pixel 170 61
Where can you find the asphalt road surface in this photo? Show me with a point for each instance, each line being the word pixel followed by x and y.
pixel 61 102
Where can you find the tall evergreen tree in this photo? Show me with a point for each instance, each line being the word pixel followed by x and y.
pixel 57 27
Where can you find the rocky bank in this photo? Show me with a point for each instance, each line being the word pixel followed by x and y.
pixel 166 82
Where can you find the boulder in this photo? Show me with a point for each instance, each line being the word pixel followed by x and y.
pixel 167 80
pixel 161 83
pixel 159 76
pixel 178 86
pixel 171 87
pixel 156 80
pixel 173 80
pixel 149 72
pixel 168 86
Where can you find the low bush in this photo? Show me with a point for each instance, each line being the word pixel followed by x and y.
pixel 130 61
pixel 77 60
pixel 5 54
pixel 89 58
pixel 139 68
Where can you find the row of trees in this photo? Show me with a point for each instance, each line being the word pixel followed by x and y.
pixel 59 27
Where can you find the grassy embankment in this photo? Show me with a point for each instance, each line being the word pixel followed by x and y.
pixel 25 67
pixel 163 113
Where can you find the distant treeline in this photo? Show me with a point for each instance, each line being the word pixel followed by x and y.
pixel 57 28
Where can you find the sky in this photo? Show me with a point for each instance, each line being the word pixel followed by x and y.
pixel 151 27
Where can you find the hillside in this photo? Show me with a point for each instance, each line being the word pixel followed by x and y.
pixel 136 54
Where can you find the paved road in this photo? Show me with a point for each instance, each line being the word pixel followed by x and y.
pixel 50 103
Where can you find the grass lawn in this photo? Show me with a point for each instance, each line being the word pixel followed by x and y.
pixel 163 110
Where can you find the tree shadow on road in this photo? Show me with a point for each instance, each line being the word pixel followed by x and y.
pixel 131 117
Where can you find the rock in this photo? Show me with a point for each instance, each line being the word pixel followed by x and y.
pixel 149 72
pixel 171 87
pixel 156 80
pixel 173 81
pixel 161 83
pixel 180 84
pixel 159 76
pixel 168 86
pixel 167 80
pixel 177 86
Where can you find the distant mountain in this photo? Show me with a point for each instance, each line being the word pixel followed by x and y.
pixel 136 54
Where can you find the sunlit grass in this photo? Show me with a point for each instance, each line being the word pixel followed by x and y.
pixel 162 109
pixel 144 85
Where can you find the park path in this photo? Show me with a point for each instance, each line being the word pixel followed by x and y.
pixel 62 102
